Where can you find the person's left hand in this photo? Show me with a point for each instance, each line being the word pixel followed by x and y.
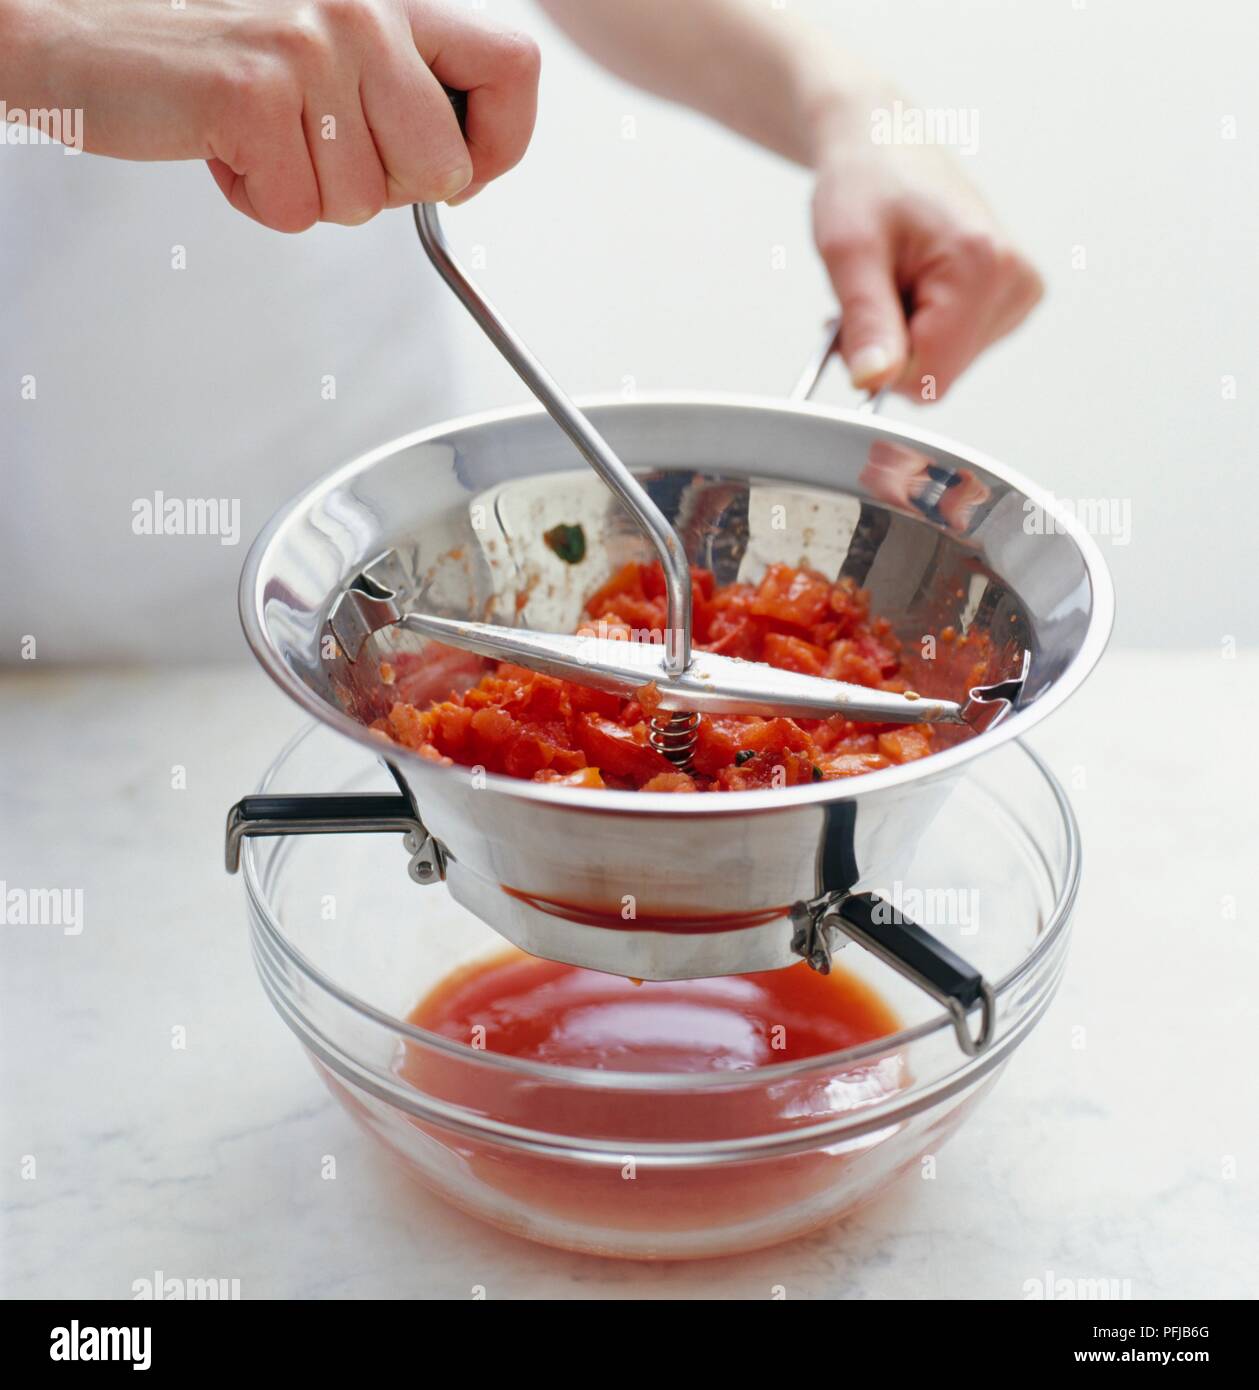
pixel 925 277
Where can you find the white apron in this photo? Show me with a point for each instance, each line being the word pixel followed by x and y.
pixel 167 365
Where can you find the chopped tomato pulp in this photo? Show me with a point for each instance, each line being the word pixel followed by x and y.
pixel 527 725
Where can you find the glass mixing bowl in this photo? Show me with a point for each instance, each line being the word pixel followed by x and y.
pixel 645 1165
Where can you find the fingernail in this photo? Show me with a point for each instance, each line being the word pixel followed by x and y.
pixel 454 182
pixel 462 197
pixel 868 364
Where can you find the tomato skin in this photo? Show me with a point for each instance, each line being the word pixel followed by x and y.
pixel 614 750
pixel 773 767
pixel 648 699
pixel 735 636
pixel 583 777
pixel 526 756
pixel 634 599
pixel 851 765
pixel 492 731
pixel 651 581
pixel 795 654
pixel 670 782
pixel 849 605
pixel 627 580
pixel 407 726
pixel 493 726
pixel 792 596
pixel 847 662
pixel 567 759
pixel 543 698
pixel 717 745
pixel 645 619
pixel 450 727
pixel 764 735
pixel 583 698
pixel 904 745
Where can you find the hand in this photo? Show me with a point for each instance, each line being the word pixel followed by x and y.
pixel 306 110
pixel 924 276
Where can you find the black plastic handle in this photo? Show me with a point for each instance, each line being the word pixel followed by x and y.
pixel 912 951
pixel 338 813
pixel 459 100
pixel 916 949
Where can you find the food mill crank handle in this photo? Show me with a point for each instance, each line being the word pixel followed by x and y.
pixel 590 443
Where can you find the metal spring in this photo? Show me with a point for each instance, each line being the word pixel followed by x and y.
pixel 675 736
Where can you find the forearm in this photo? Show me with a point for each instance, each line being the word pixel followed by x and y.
pixel 24 38
pixel 758 71
pixel 122 64
pixel 304 110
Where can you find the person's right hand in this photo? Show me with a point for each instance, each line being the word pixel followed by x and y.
pixel 306 110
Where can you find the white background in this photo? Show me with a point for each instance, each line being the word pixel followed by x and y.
pixel 647 263
pixel 1099 126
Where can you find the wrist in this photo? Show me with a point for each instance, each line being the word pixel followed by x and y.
pixel 837 101
pixel 30 37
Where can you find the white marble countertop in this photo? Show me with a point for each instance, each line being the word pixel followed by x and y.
pixel 1135 1158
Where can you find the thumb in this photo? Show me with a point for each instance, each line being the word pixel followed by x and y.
pixel 873 340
